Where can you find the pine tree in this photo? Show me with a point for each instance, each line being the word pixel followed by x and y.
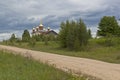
pixel 83 35
pixel 89 34
pixel 63 33
pixel 26 36
pixel 73 35
pixel 70 38
pixel 12 39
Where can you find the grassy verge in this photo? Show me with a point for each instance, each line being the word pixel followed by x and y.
pixel 15 67
pixel 93 51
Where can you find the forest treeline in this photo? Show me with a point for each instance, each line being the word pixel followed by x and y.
pixel 74 35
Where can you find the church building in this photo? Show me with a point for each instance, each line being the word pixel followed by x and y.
pixel 41 30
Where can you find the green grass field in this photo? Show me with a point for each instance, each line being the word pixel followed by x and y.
pixel 95 50
pixel 15 67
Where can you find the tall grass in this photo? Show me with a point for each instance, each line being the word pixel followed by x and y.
pixel 15 67
pixel 99 49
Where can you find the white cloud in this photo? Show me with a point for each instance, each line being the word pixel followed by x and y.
pixel 20 14
pixel 7 35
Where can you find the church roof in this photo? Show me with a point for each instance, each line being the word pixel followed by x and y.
pixel 40 25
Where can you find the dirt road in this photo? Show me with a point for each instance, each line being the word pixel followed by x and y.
pixel 99 69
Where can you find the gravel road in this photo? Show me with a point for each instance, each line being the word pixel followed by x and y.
pixel 98 69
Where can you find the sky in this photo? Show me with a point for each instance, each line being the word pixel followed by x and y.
pixel 18 15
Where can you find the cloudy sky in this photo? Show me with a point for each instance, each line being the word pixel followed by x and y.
pixel 17 15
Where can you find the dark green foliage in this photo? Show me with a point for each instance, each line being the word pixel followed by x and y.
pixel 38 37
pixel 63 33
pixel 12 38
pixel 26 36
pixel 82 33
pixel 89 33
pixel 52 37
pixel 70 37
pixel 32 42
pixel 110 41
pixel 108 26
pixel 42 37
pixel 76 45
pixel 73 35
pixel 46 40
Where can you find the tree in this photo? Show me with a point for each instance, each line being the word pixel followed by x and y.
pixel 82 33
pixel 63 33
pixel 70 36
pixel 25 36
pixel 73 35
pixel 108 26
pixel 12 38
pixel 89 34
pixel 32 42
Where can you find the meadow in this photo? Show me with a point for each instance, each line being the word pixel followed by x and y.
pixel 99 49
pixel 16 67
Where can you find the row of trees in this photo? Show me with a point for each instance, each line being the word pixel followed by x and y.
pixel 25 37
pixel 32 39
pixel 74 35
